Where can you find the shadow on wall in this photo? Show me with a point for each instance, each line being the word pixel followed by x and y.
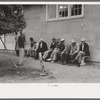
pixel 94 54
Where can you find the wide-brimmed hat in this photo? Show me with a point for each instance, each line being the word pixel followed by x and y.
pixel 41 39
pixel 73 41
pixel 82 39
pixel 62 39
pixel 53 38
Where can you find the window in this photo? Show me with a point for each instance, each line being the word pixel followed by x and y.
pixel 51 11
pixel 76 10
pixel 63 11
pixel 58 12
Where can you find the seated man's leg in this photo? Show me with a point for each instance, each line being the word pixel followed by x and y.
pixel 37 54
pixel 40 56
pixel 82 58
pixel 46 54
pixel 73 56
pixel 52 54
pixel 82 61
pixel 28 53
pixel 33 53
pixel 79 57
pixel 55 55
pixel 63 57
pixel 67 58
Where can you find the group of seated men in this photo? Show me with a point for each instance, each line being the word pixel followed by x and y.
pixel 58 51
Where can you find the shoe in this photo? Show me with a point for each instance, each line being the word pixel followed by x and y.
pixel 63 63
pixel 52 61
pixel 68 63
pixel 83 64
pixel 78 65
pixel 49 59
pixel 72 60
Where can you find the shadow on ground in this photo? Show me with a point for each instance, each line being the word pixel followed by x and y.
pixel 8 73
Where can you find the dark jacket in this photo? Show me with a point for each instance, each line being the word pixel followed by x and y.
pixel 44 47
pixel 21 41
pixel 53 45
pixel 61 47
pixel 86 49
pixel 32 43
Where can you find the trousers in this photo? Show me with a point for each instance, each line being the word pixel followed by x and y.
pixel 55 54
pixel 21 55
pixel 79 56
pixel 65 57
pixel 47 54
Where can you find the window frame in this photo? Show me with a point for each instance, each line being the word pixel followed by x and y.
pixel 64 18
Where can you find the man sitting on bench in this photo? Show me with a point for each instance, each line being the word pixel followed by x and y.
pixel 83 52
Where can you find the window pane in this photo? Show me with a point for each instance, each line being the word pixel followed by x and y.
pixel 76 10
pixel 63 10
pixel 51 11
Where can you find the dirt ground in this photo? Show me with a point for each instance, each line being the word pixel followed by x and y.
pixel 54 73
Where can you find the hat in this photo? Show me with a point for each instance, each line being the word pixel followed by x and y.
pixel 41 39
pixel 53 38
pixel 82 39
pixel 62 39
pixel 72 41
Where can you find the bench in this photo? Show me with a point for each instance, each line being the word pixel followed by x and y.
pixel 84 60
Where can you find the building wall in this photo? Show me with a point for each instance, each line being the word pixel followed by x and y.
pixel 1 44
pixel 10 41
pixel 88 26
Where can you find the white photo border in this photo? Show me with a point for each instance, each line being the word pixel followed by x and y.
pixel 48 90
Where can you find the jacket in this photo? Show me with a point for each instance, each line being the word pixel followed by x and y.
pixel 43 48
pixel 61 47
pixel 21 41
pixel 86 49
pixel 53 45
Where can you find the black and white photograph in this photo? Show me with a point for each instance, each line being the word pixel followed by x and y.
pixel 50 43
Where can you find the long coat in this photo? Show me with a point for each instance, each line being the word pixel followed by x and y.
pixel 16 42
pixel 21 41
pixel 86 49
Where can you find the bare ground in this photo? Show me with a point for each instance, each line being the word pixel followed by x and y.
pixel 54 73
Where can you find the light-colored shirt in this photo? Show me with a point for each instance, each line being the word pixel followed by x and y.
pixel 41 45
pixel 74 49
pixel 82 47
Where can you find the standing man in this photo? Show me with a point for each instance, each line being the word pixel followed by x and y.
pixel 16 44
pixel 83 51
pixel 21 44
